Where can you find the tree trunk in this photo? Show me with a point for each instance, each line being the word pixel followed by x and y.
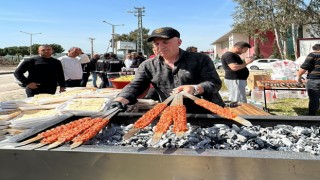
pixel 279 43
pixel 294 30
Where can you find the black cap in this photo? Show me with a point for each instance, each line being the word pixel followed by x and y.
pixel 164 32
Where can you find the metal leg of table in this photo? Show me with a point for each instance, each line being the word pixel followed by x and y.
pixel 265 100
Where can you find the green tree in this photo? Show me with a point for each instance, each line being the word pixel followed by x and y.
pixel 11 50
pixel 57 48
pixel 2 52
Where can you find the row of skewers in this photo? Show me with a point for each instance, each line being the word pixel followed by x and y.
pixel 282 83
pixel 80 131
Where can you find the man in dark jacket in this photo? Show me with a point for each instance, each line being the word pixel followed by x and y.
pixel 114 66
pixel 137 59
pixel 101 69
pixel 44 73
pixel 93 68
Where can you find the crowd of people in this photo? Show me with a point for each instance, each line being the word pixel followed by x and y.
pixel 45 73
pixel 169 70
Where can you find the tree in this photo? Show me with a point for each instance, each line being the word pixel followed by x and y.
pixel 2 52
pixel 57 48
pixel 282 17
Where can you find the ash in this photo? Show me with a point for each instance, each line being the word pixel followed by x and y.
pixel 219 136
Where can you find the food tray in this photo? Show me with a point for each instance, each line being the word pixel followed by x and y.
pixel 29 118
pixel 84 106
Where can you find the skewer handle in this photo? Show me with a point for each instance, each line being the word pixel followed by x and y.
pixel 189 95
pixel 156 138
pixel 130 133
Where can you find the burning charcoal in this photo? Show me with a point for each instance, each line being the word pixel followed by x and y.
pixel 248 134
pixel 193 140
pixel 232 135
pixel 241 138
pixel 236 128
pixel 286 142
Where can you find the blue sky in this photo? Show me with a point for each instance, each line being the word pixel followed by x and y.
pixel 72 22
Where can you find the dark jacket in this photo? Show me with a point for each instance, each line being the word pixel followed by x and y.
pixel 191 68
pixel 136 62
pixel 47 72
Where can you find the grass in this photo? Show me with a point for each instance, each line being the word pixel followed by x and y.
pixel 289 107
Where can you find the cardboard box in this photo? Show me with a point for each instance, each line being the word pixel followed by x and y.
pixel 253 78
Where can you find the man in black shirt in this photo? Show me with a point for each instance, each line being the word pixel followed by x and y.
pixel 236 72
pixel 311 65
pixel 172 70
pixel 45 73
pixel 114 66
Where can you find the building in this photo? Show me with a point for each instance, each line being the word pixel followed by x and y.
pixel 223 44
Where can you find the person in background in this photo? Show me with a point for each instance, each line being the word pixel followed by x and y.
pixel 128 61
pixel 236 72
pixel 114 66
pixel 101 69
pixel 72 67
pixel 173 70
pixel 44 73
pixel 192 49
pixel 155 53
pixel 136 60
pixel 311 65
pixel 85 64
pixel 93 65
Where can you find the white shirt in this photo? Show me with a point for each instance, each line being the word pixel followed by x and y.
pixel 128 63
pixel 71 68
pixel 83 58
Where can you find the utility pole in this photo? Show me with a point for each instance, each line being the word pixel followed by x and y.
pixel 31 34
pixel 113 33
pixel 139 13
pixel 91 41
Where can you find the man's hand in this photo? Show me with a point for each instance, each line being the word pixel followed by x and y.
pixel 187 88
pixel 248 60
pixel 121 106
pixel 33 85
pixel 62 89
pixel 299 79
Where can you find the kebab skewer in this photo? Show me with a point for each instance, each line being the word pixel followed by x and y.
pixel 214 108
pixel 53 131
pixel 92 131
pixel 180 117
pixel 176 113
pixel 71 134
pixel 67 135
pixel 148 117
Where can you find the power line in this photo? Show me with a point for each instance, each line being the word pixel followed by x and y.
pixel 139 13
pixel 91 41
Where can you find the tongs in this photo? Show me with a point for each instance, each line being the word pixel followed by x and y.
pixel 148 117
pixel 220 111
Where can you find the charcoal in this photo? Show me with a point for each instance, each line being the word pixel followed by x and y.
pixel 220 136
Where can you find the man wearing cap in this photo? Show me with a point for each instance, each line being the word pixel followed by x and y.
pixel 172 70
